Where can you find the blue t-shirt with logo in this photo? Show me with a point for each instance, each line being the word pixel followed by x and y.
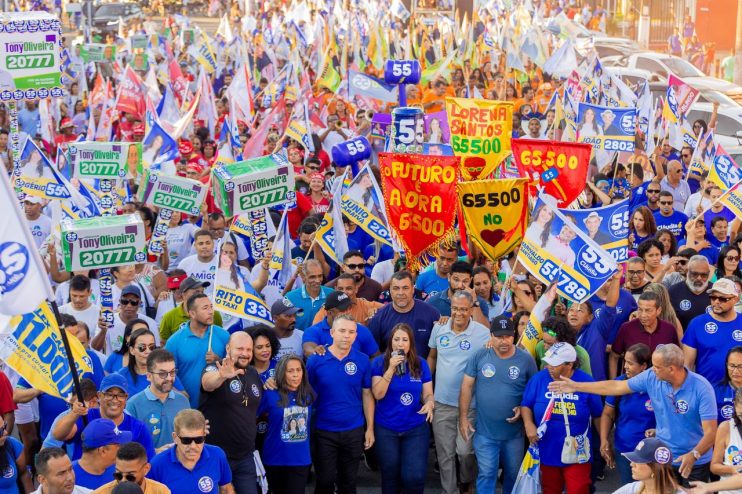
pixel 89 480
pixel 712 340
pixel 397 410
pixel 634 415
pixel 581 408
pixel 9 477
pixel 430 283
pixel 320 334
pixel 269 372
pixel 339 385
pixel 421 319
pixel 139 433
pixel 287 438
pixel 49 408
pixel 724 401
pixel 210 472
pixel 675 223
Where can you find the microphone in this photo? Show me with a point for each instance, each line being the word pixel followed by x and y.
pixel 402 367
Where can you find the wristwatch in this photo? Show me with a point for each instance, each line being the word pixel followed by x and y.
pixel 696 454
pixel 476 303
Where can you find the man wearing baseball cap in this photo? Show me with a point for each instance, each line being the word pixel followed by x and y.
pixel 100 443
pixel 711 335
pixel 40 224
pixel 173 319
pixel 317 337
pixel 496 378
pixel 284 314
pixel 112 394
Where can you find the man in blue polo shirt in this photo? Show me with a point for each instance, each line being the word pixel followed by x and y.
pixel 100 443
pixel 317 337
pixel 341 377
pixel 311 296
pixel 435 279
pixel 460 278
pixel 112 394
pixel 158 404
pixel 684 404
pixel 198 342
pixel 192 465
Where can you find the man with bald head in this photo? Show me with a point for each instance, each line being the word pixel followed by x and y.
pixel 675 184
pixel 230 393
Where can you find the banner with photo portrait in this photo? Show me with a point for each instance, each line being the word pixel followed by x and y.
pixel 36 175
pixel 724 172
pixel 363 204
pixel 435 125
pixel 680 98
pixel 608 226
pixel 607 129
pixel 554 249
pixel 158 147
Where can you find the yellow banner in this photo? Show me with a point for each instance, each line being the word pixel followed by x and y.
pixel 480 132
pixel 241 304
pixel 35 351
pixel 496 214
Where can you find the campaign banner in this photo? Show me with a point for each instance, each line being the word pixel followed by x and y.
pixel 174 193
pixel 103 242
pixel 435 128
pixel 259 235
pixel 363 203
pixel 36 176
pixel 35 350
pixel 30 58
pixel 733 199
pixel 97 52
pixel 496 214
pixel 158 147
pixel 140 62
pixel 480 133
pixel 680 98
pixel 608 226
pixel 555 249
pixel 607 129
pixel 724 172
pixel 139 42
pixel 420 199
pixel 104 159
pixel 560 168
pixel 201 51
pixel 253 184
pixel 364 85
pixel 241 304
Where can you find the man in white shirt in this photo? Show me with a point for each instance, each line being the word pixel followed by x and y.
pixel 110 340
pixel 202 265
pixel 79 305
pixel 40 225
pixel 284 313
pixel 55 473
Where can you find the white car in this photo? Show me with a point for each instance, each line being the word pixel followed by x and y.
pixel 728 122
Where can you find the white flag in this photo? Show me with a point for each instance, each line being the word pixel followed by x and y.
pixel 23 280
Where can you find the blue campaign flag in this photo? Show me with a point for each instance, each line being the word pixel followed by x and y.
pixel 608 226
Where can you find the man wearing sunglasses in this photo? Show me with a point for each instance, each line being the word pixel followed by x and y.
pixel 653 196
pixel 192 465
pixel 674 183
pixel 132 466
pixel 690 299
pixel 112 394
pixel 711 335
pixel 669 218
pixel 101 440
pixel 130 301
pixel 355 265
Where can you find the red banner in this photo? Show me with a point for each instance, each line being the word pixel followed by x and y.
pixel 559 167
pixel 131 94
pixel 420 199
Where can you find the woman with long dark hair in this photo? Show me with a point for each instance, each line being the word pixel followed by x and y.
pixel 265 349
pixel 141 344
pixel 728 263
pixel 120 358
pixel 402 385
pixel 641 227
pixel 726 389
pixel 286 454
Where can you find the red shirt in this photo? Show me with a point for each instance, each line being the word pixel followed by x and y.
pixel 632 332
pixel 301 210
pixel 6 395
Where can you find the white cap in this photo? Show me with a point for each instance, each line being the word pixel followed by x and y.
pixel 725 287
pixel 32 199
pixel 560 353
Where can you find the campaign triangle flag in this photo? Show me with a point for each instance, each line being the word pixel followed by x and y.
pixel 363 204
pixel 280 265
pixel 331 235
pixel 240 94
pixel 37 176
pixel 131 95
pixel 724 172
pixel 201 51
pixel 158 148
pixel 329 77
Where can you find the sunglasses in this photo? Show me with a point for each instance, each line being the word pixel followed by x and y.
pixel 696 274
pixel 732 258
pixel 664 203
pixel 723 300
pixel 653 191
pixel 355 266
pixel 141 348
pixel 119 476
pixel 189 440
pixel 128 301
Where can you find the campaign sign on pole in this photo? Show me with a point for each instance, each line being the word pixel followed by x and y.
pixel 253 184
pixel 724 171
pixel 97 52
pixel 560 168
pixel 111 160
pixel 608 226
pixel 554 249
pixel 30 56
pixel 241 304
pixel 480 133
pixel 175 193
pixel 103 242
pixel 607 129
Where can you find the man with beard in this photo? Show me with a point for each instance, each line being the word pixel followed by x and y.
pixel 231 393
pixel 158 401
pixel 354 264
pixel 690 298
pixel 55 473
pixel 284 313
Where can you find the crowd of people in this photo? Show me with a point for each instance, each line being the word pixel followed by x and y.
pixel 369 358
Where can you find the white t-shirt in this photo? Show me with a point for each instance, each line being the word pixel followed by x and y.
pixel 635 487
pixel 204 271
pixel 383 271
pixel 89 316
pixel 115 335
pixel 242 253
pixel 291 344
pixel 164 306
pixel 62 293
pixel 179 242
pixel 40 228
pixel 273 291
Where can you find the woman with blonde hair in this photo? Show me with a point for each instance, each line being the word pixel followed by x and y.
pixel 651 467
pixel 667 312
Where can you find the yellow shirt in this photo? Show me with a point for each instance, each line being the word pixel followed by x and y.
pixel 149 486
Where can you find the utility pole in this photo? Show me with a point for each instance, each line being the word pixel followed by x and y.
pixel 738 48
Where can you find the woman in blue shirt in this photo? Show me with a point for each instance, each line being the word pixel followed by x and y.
pixel 402 386
pixel 633 415
pixel 265 349
pixel 286 454
pixel 141 344
pixel 12 463
pixel 120 358
pixel 732 381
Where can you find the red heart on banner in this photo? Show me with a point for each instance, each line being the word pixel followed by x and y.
pixel 493 237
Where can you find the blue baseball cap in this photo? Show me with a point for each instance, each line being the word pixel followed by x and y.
pixel 650 450
pixel 102 432
pixel 114 381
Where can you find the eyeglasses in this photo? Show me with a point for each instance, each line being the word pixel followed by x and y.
pixel 188 440
pixel 119 476
pixel 685 156
pixel 732 258
pixel 141 348
pixel 696 274
pixel 665 203
pixel 356 266
pixel 128 301
pixel 114 396
pixel 635 273
pixel 723 300
pixel 653 191
pixel 528 292
pixel 165 374
pixel 460 309
pixel 734 367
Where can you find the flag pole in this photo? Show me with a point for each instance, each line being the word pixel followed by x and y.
pixel 70 358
